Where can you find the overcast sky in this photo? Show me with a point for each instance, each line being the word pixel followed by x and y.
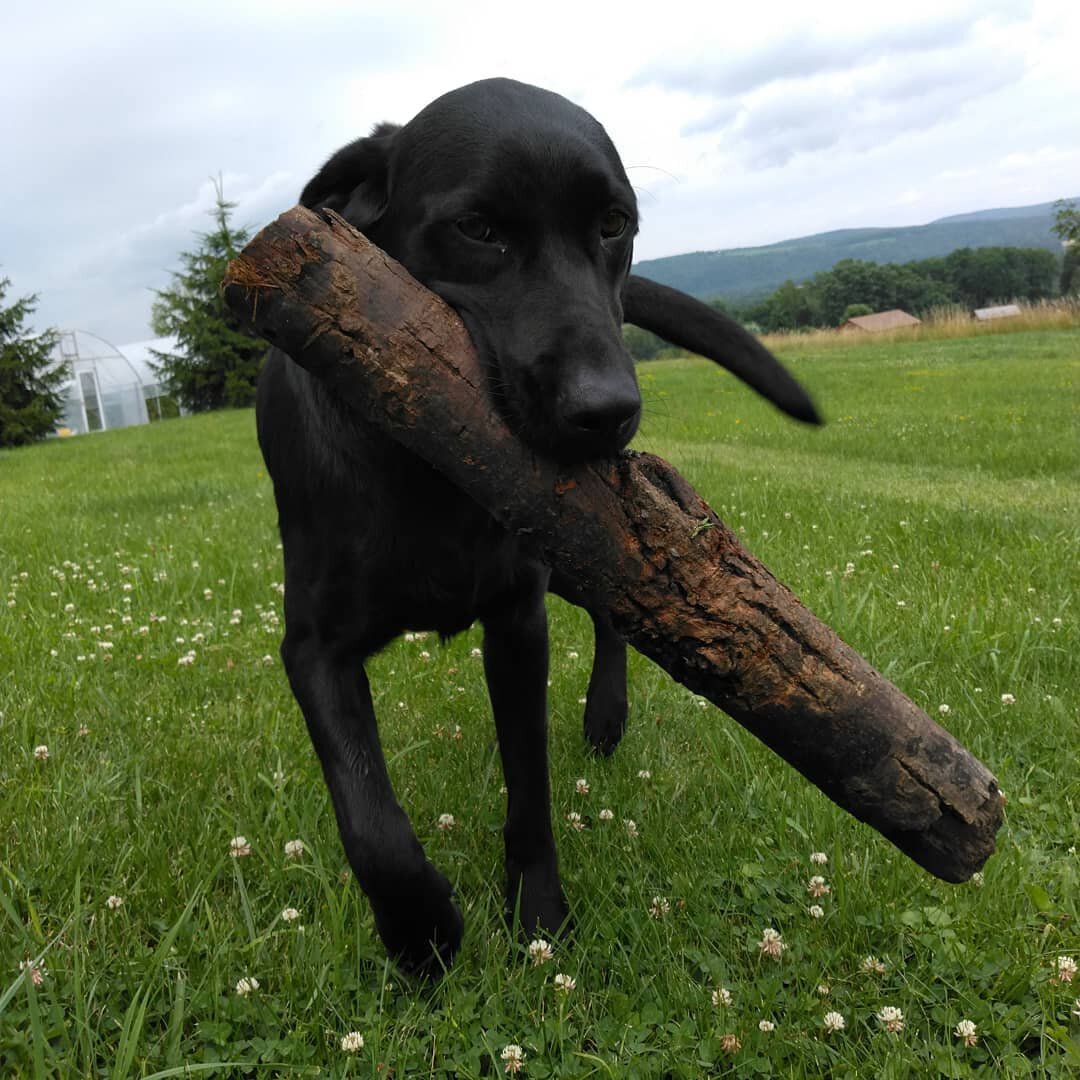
pixel 739 124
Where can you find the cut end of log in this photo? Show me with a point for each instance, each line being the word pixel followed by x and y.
pixel 950 839
pixel 956 846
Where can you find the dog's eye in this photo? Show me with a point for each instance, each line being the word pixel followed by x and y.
pixel 474 227
pixel 614 224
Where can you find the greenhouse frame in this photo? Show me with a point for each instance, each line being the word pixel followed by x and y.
pixel 109 387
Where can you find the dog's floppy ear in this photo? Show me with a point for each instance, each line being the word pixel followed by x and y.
pixel 354 182
pixel 689 323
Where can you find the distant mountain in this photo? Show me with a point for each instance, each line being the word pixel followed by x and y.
pixel 739 273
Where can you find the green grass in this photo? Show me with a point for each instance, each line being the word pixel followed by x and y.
pixel 933 523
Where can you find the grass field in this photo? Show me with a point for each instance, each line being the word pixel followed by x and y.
pixel 933 522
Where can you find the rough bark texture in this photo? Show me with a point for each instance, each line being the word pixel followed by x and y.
pixel 677 581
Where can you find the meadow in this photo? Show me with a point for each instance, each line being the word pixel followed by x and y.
pixel 146 727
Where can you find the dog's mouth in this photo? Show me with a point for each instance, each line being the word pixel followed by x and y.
pixel 569 421
pixel 571 436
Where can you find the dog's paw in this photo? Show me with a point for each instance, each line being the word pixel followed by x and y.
pixel 605 722
pixel 421 931
pixel 537 901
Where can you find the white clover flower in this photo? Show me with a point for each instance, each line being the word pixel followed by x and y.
pixel 819 858
pixel 770 944
pixel 581 786
pixel 816 886
pixel 35 972
pixel 766 1026
pixel 606 814
pixel 572 654
pixel 659 907
pixel 246 985
pixel 294 849
pixel 289 914
pixel 540 952
pixel 871 965
pixel 239 847
pixel 644 774
pixel 1065 969
pixel 1008 699
pixel 575 820
pixel 352 1043
pixel 476 653
pixel 966 1030
pixel 891 1019
pixel 513 1058
pixel 41 753
pixel 816 911
pixel 445 822
pixel 631 827
pixel 565 983
pixel 730 1043
pixel 944 709
pixel 114 902
pixel 833 1022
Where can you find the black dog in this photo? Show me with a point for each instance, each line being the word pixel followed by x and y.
pixel 510 203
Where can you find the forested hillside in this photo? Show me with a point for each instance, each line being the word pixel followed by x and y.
pixel 740 273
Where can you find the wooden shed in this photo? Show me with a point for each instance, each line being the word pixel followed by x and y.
pixel 881 320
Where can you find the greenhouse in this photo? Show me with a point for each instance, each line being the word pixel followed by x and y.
pixel 110 387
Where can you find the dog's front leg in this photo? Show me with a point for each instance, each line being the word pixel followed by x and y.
pixel 516 666
pixel 414 914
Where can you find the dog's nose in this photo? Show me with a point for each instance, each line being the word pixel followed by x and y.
pixel 611 416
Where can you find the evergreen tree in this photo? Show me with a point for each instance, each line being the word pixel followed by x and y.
pixel 216 364
pixel 1067 227
pixel 31 383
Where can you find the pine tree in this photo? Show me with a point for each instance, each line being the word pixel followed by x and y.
pixel 216 364
pixel 31 383
pixel 1067 226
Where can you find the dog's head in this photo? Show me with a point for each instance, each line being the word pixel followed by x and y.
pixel 511 204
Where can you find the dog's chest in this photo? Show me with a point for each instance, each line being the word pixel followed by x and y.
pixel 444 579
pixel 436 560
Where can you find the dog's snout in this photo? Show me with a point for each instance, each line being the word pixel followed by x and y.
pixel 608 416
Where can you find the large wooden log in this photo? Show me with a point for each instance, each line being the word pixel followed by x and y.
pixel 677 581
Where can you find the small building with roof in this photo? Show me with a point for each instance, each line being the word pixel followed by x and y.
pixel 881 320
pixel 1002 311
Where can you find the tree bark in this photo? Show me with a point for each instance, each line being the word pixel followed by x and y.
pixel 676 580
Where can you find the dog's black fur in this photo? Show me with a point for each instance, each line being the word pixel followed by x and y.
pixel 510 203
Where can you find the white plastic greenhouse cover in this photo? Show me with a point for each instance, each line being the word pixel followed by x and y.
pixel 109 387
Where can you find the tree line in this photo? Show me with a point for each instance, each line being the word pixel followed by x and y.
pixel 216 364
pixel 968 277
